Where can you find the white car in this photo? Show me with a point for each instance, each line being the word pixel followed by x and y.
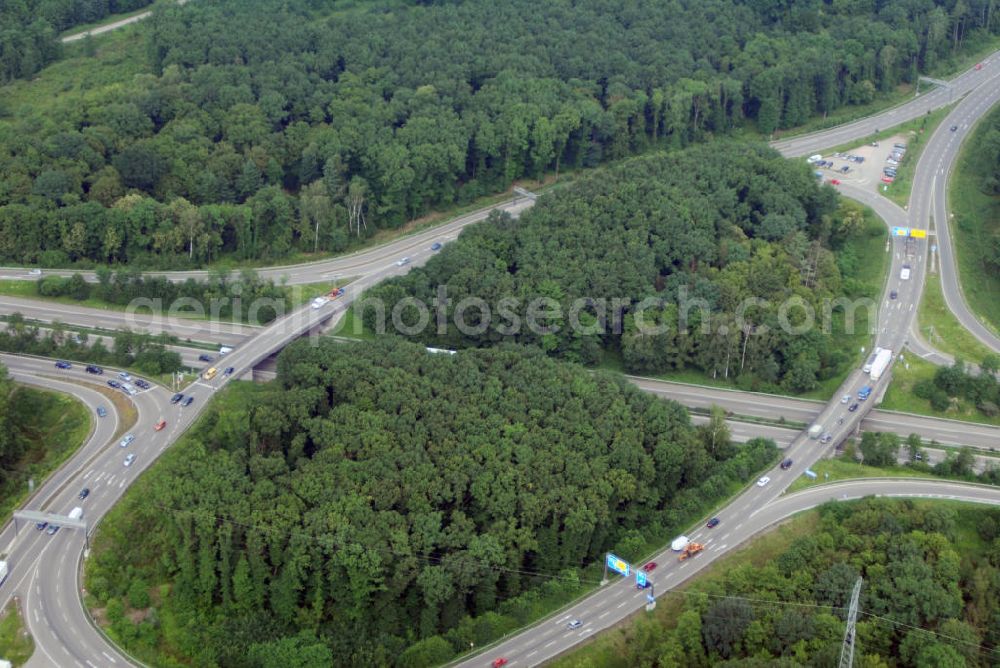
pixel 130 459
pixel 402 261
pixel 128 439
pixel 844 399
pixel 892 162
pixel 319 302
pixel 35 272
pixel 763 481
pixel 575 624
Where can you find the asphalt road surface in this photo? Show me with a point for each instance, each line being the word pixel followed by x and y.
pixel 361 263
pixel 929 203
pixel 753 512
pixel 935 98
pixel 44 570
pixel 775 407
pixel 215 331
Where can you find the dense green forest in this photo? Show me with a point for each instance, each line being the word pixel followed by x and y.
pixel 29 29
pixel 713 225
pixel 259 129
pixel 375 495
pixel 143 352
pixel 930 597
pixel 38 429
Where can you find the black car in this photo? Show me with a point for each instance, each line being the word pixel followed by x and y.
pixel 188 401
pixel 92 368
pixel 63 364
pixel 177 397
pixel 84 493
pixel 954 127
pixel 205 358
pixel 229 371
pixel 787 464
pixel 893 294
pixel 41 525
pixel 141 383
pixel 114 383
pixel 853 408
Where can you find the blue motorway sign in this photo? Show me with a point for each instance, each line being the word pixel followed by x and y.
pixel 618 565
pixel 640 579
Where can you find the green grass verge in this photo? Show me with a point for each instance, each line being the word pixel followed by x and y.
pixel 54 426
pixel 831 470
pixel 16 644
pixel 900 396
pixel 976 220
pixel 939 327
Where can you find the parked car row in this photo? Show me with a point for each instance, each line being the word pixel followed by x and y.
pixel 125 382
pixel 889 172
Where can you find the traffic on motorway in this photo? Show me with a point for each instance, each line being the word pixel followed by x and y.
pixel 99 474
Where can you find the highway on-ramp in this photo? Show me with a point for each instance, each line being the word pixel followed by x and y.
pixel 44 572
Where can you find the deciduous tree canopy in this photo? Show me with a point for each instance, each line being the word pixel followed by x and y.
pixel 731 237
pixel 394 111
pixel 376 494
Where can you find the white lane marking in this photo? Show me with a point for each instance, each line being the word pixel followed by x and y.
pixel 109 657
pixel 621 604
pixel 90 664
pixel 530 654
pixel 604 614
pixel 551 643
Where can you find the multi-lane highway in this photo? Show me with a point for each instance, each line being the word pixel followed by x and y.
pixel 620 599
pixel 361 263
pixel 934 98
pixel 929 204
pixel 44 569
pixel 141 320
pixel 894 321
pixel 805 411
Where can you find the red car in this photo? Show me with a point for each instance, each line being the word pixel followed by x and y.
pixel 160 425
pixel 499 662
pixel 834 182
pixel 649 567
pixel 979 66
pixel 887 179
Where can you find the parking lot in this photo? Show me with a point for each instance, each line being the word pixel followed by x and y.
pixel 861 166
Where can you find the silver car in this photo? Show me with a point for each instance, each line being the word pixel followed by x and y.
pixel 130 459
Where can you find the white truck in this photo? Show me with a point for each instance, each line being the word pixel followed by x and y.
pixel 904 273
pixel 815 430
pixel 3 571
pixel 881 364
pixel 867 368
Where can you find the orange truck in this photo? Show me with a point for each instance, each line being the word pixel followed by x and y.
pixel 690 550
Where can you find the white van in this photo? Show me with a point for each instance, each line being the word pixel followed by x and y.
pixel 904 273
pixel 76 513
